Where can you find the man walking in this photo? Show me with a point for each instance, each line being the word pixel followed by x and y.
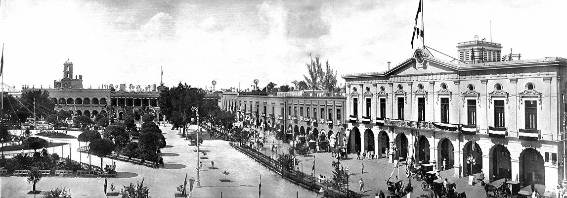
pixel 362 169
pixel 361 183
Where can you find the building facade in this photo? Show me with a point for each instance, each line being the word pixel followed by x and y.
pixel 298 113
pixel 504 119
pixel 68 94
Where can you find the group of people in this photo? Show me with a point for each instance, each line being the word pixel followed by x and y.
pixel 365 154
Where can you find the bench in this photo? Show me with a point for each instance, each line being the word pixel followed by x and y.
pixel 45 172
pixel 63 172
pixel 21 172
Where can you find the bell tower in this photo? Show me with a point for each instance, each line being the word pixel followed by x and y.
pixel 68 69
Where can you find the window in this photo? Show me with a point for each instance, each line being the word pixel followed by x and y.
pixel 546 156
pixel 282 111
pixel 471 112
pixel 554 158
pixel 382 108
pixel 289 111
pixel 273 110
pixel 530 86
pixel 294 111
pixel 338 114
pixel 368 106
pixel 420 109
pixel 499 113
pixel 322 113
pixel 265 109
pixel 531 114
pixel 400 108
pixel 315 113
pixel 355 107
pixel 498 86
pixel 330 118
pixel 307 114
pixel 445 110
pixel 301 111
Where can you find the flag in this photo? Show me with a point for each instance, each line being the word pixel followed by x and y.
pixel 2 61
pixel 418 29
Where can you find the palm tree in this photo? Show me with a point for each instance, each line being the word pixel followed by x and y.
pixel 315 72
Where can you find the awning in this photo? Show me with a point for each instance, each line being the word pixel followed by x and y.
pixel 527 190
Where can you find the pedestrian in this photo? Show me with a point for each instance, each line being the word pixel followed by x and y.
pixel 362 169
pixel 381 195
pixel 358 155
pixel 200 164
pixel 364 155
pixel 213 164
pixel 361 183
pixel 444 163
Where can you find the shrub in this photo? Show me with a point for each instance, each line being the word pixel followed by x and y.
pixel 35 143
pixel 136 191
pixel 58 193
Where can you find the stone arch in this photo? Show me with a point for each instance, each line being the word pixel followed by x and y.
pixel 54 100
pixel 302 130
pixel 532 169
pixel 103 101
pixel 70 101
pixel 87 101
pixel 383 143
pixel 401 149
pixel 500 162
pixel 422 150
pixel 445 154
pixel 95 101
pixel 62 101
pixel 87 113
pixel 95 113
pixel 79 113
pixel 78 101
pixel 472 158
pixel 368 140
pixel 353 145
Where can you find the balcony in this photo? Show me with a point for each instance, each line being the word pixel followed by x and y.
pixel 497 131
pixel 446 126
pixel 366 119
pixel 469 129
pixel 529 134
pixel 352 119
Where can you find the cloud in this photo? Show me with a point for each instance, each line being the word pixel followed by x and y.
pixel 160 26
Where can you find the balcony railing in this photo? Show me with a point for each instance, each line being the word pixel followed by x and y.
pixel 497 131
pixel 446 126
pixel 469 129
pixel 380 121
pixel 529 134
pixel 366 119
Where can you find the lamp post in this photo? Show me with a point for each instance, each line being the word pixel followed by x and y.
pixel 196 110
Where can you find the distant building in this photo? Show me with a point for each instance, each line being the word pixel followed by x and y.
pixel 298 114
pixel 68 94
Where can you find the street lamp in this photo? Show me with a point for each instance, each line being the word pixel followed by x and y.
pixel 196 110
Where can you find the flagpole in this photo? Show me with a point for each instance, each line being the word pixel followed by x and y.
pixel 422 25
pixel 2 76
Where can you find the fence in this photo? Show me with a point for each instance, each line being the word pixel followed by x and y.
pixel 297 177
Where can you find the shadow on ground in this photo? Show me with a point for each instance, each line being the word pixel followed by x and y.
pixel 126 175
pixel 173 166
pixel 168 146
pixel 169 154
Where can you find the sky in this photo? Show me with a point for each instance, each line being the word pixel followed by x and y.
pixel 235 42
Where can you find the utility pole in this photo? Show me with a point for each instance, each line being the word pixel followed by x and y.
pixel 34 116
pixel 197 143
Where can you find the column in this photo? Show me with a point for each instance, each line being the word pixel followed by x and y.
pixel 390 101
pixel 514 158
pixel 483 113
pixel 360 102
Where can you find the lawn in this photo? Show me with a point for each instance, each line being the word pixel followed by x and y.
pixel 24 147
pixel 54 135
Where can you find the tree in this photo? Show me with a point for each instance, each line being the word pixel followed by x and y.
pixel 340 176
pixel 4 136
pixel 89 136
pixel 176 103
pixel 118 134
pixel 302 85
pixel 270 87
pixel 35 143
pixel 82 121
pixel 44 105
pixel 314 72
pixel 101 120
pixel 101 148
pixel 33 177
pixel 329 79
pixel 284 88
pixel 58 193
pixel 62 115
